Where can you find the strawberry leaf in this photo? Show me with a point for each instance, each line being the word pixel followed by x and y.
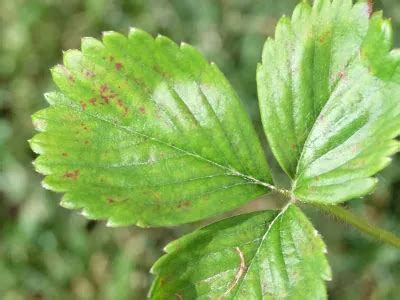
pixel 329 88
pixel 144 131
pixel 262 255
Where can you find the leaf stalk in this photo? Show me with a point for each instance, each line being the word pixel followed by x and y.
pixel 361 224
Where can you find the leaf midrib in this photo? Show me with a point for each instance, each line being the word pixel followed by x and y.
pixel 252 259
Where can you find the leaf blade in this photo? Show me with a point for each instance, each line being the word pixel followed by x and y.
pixel 335 94
pixel 137 121
pixel 250 256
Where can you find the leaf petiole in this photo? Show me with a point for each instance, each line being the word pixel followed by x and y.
pixel 361 224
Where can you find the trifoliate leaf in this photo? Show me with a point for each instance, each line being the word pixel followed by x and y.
pixel 329 97
pixel 262 255
pixel 144 131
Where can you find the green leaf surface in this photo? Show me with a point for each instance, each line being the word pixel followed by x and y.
pixel 329 98
pixel 261 255
pixel 144 131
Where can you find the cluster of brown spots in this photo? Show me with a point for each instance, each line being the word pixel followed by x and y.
pixel 184 204
pixel 84 127
pixel 72 175
pixel 71 78
pixel 83 104
pixel 121 104
pixel 106 94
pixel 118 66
pixel 64 154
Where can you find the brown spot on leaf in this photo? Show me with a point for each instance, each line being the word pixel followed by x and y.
pixel 84 126
pixel 93 101
pixel 118 66
pixel 184 204
pixel 110 200
pixel 89 74
pixel 86 142
pixel 83 105
pixel 324 37
pixel 341 75
pixel 111 58
pixel 142 110
pixel 121 104
pixel 64 154
pixel 72 175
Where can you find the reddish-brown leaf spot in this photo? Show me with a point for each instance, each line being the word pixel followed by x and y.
pixel 93 101
pixel 72 175
pixel 324 37
pixel 341 75
pixel 118 66
pixel 110 200
pixel 103 88
pixel 83 105
pixel 294 146
pixel 142 110
pixel 64 154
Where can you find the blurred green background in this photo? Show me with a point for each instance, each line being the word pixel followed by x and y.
pixel 47 252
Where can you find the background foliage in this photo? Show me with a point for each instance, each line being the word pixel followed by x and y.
pixel 47 252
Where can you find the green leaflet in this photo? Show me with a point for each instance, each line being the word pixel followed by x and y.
pixel 329 88
pixel 261 255
pixel 144 131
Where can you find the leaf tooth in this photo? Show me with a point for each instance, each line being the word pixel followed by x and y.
pixel 46 186
pixel 136 33
pixel 283 29
pixel 164 41
pixel 301 12
pixel 38 122
pixel 113 39
pixel 84 212
pixel 68 204
pixel 73 59
pixel 91 44
pixel 40 167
